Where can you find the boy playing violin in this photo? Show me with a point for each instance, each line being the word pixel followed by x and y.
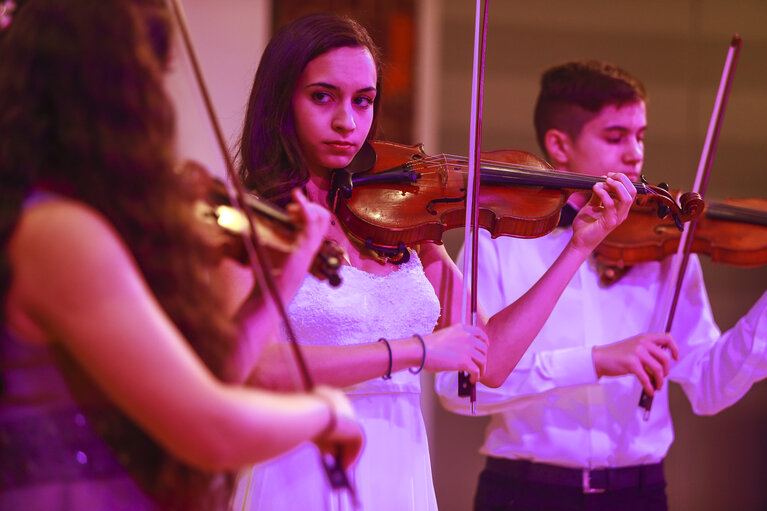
pixel 566 431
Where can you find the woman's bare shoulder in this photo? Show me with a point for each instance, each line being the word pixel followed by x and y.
pixel 64 248
pixel 55 227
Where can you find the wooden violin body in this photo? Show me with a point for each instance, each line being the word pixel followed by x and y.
pixel 408 197
pixel 732 232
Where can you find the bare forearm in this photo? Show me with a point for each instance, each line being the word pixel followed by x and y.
pixel 513 329
pixel 337 366
pixel 238 426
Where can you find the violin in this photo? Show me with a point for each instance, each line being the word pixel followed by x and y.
pixel 732 232
pixel 393 196
pixel 223 225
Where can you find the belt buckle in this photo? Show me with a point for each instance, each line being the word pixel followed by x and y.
pixel 586 482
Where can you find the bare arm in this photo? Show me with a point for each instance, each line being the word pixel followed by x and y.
pixel 101 310
pixel 340 366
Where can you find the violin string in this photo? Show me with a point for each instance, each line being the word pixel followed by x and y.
pixel 736 213
pixel 462 163
pixel 434 165
pixel 499 169
pixel 431 165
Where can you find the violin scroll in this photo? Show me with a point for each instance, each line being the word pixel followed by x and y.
pixel 692 205
pixel 689 207
pixel 328 262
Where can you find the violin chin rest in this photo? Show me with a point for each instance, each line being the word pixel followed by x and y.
pixel 364 160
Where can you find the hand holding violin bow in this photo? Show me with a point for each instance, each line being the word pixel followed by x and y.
pixel 685 244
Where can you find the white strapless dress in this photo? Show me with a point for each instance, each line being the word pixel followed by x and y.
pixel 394 470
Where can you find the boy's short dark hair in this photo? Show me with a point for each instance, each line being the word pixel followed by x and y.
pixel 575 92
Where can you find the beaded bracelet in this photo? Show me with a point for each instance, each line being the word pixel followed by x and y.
pixel 387 376
pixel 423 356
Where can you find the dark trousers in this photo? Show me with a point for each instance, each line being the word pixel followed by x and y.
pixel 506 485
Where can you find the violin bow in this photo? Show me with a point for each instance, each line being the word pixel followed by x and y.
pixel 471 224
pixel 261 267
pixel 682 256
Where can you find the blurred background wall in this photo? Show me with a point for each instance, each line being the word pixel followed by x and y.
pixel 676 48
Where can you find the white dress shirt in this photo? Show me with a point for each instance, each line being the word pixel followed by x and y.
pixel 553 409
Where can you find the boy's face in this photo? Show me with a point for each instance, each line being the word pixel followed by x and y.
pixel 613 141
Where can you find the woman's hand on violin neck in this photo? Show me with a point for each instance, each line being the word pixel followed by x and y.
pixel 342 433
pixel 609 205
pixel 315 220
pixel 314 217
pixel 457 348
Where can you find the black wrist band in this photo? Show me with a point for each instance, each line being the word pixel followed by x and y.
pixel 387 376
pixel 423 356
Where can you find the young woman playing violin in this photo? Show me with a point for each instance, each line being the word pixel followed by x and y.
pixel 113 347
pixel 567 432
pixel 313 104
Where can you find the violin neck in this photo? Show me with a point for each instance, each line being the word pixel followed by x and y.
pixel 721 211
pixel 259 206
pixel 500 175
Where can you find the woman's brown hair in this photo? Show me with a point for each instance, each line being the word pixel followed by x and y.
pixel 84 114
pixel 271 162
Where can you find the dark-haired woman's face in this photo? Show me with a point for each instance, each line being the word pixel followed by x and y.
pixel 333 107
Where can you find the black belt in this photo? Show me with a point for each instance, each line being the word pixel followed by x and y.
pixel 590 481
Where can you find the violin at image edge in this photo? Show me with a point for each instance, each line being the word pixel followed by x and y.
pixel 223 226
pixel 393 196
pixel 731 232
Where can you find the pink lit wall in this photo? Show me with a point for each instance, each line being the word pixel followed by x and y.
pixel 228 38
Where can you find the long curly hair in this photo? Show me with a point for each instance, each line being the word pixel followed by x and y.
pixel 271 162
pixel 84 114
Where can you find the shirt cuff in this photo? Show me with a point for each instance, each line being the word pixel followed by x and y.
pixel 751 331
pixel 570 366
